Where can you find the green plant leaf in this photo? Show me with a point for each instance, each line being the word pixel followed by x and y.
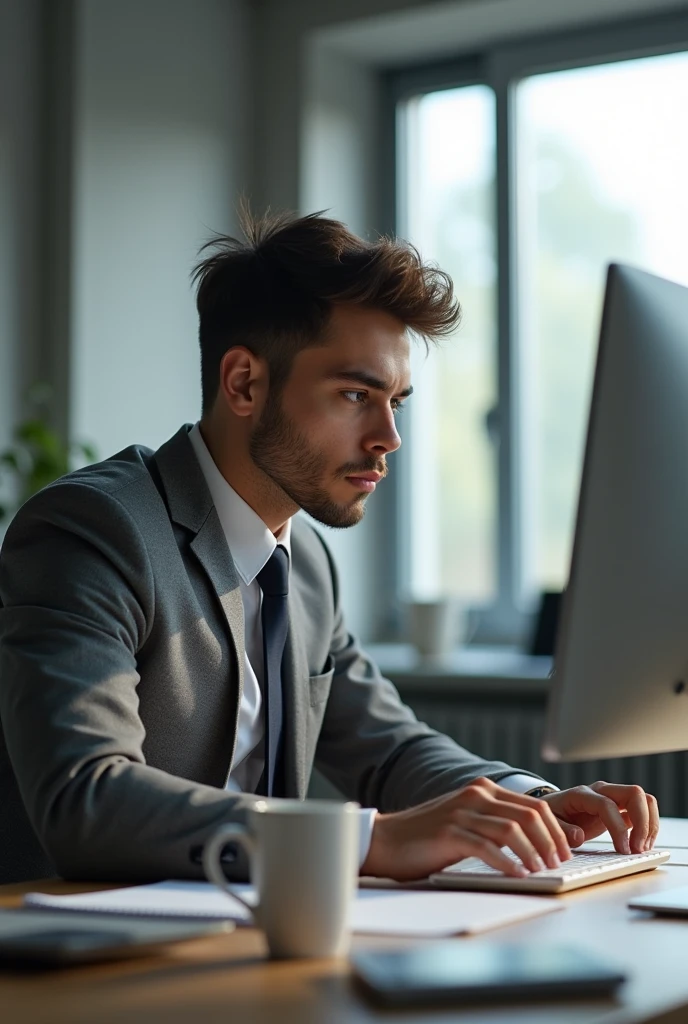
pixel 39 456
pixel 50 463
pixel 39 437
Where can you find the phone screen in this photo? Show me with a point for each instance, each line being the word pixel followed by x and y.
pixel 482 971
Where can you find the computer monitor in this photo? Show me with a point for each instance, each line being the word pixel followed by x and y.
pixel 620 678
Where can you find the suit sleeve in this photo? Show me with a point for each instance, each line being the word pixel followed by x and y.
pixel 74 609
pixel 372 746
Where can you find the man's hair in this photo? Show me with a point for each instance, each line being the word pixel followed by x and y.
pixel 274 292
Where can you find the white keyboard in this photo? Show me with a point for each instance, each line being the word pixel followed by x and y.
pixel 584 868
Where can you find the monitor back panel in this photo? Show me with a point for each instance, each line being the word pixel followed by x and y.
pixel 620 681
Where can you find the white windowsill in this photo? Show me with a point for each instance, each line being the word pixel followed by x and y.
pixel 468 669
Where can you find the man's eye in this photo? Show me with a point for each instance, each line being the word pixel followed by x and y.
pixel 361 397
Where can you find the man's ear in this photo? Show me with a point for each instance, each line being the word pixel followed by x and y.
pixel 244 381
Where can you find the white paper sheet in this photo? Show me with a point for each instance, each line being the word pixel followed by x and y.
pixel 162 899
pixel 375 911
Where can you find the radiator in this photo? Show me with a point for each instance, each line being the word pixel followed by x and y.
pixel 504 732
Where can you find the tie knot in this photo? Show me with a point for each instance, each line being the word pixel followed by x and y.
pixel 273 578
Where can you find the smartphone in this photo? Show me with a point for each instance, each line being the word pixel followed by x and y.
pixel 461 971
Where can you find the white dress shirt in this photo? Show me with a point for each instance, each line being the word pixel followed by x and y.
pixel 252 544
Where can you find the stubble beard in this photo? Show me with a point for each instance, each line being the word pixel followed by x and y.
pixel 287 458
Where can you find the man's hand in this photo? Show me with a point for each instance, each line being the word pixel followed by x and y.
pixel 481 818
pixel 476 821
pixel 586 811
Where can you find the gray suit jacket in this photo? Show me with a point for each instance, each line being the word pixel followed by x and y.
pixel 121 673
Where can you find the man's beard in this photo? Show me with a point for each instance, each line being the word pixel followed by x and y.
pixel 285 456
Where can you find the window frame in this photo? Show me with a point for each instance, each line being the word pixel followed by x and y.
pixel 501 67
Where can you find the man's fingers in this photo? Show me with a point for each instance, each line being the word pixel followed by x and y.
pixel 469 844
pixel 534 816
pixel 542 829
pixel 540 825
pixel 575 835
pixel 634 801
pixel 592 802
pixel 504 832
pixel 554 827
pixel 653 816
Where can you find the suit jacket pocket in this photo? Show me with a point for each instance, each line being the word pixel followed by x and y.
pixel 320 685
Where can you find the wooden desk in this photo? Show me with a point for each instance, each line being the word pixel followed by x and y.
pixel 228 979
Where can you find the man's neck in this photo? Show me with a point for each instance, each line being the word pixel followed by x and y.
pixel 258 491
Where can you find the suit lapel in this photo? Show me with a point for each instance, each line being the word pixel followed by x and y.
pixel 209 546
pixel 190 505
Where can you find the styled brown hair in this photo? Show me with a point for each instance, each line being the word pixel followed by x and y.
pixel 273 293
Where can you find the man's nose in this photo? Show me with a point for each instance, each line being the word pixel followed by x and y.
pixel 385 438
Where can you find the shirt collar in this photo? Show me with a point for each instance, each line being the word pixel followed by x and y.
pixel 248 538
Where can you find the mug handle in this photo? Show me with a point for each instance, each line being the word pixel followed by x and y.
pixel 211 859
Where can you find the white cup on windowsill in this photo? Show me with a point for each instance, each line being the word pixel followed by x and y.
pixel 435 626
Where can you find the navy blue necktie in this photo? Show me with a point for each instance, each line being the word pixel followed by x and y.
pixel 273 580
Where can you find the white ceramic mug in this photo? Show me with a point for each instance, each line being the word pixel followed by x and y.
pixel 435 627
pixel 304 866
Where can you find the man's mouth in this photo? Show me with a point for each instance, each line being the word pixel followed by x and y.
pixel 365 481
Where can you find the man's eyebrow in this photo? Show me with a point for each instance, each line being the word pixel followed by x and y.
pixel 367 379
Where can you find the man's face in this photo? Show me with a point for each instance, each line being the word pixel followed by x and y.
pixel 325 438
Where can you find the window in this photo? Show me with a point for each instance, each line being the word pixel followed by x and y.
pixel 602 176
pixel 450 213
pixel 523 174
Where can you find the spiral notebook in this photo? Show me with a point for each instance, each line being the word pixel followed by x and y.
pixel 375 911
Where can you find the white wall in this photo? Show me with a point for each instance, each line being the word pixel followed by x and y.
pixel 20 98
pixel 20 238
pixel 161 128
pixel 339 138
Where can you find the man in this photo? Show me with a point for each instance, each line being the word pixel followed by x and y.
pixel 171 641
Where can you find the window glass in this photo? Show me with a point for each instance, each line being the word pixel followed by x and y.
pixel 602 175
pixel 447 189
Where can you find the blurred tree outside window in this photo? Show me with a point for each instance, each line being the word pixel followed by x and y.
pixel 600 175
